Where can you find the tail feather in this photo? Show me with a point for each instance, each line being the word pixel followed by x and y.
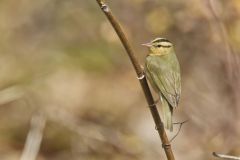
pixel 167 111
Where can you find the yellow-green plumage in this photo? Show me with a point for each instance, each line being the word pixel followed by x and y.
pixel 163 72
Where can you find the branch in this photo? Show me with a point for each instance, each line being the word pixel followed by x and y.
pixel 34 137
pixel 141 77
pixel 225 156
pixel 179 129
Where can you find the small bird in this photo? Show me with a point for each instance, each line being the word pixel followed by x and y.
pixel 163 72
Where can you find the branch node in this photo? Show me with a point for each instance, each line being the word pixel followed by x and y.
pixel 166 146
pixel 104 7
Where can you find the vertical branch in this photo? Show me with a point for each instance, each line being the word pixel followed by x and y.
pixel 141 77
pixel 34 137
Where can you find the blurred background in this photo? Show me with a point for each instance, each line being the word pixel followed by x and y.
pixel 66 82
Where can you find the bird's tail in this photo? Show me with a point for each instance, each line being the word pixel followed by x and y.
pixel 167 111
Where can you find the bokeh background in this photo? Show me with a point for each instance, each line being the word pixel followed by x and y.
pixel 67 83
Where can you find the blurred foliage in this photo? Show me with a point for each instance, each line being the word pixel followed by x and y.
pixel 98 56
pixel 63 58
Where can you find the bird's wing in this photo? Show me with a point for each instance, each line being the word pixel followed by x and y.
pixel 165 74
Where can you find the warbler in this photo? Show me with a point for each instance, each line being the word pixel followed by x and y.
pixel 163 72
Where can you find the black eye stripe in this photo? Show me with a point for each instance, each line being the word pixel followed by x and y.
pixel 168 46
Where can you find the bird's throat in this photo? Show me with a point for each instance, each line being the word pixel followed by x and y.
pixel 157 54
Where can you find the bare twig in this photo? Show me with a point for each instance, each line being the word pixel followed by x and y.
pixel 222 156
pixel 179 129
pixel 34 137
pixel 141 77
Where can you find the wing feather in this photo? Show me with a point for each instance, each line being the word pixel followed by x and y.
pixel 164 74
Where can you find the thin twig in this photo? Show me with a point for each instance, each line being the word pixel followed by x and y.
pixel 34 137
pixel 225 156
pixel 179 129
pixel 141 77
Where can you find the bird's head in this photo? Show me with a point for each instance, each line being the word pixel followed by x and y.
pixel 159 46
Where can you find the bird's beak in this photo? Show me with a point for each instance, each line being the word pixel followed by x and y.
pixel 147 44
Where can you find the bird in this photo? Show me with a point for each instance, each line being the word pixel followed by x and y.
pixel 162 70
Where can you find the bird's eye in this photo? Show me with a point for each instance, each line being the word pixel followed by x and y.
pixel 158 46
